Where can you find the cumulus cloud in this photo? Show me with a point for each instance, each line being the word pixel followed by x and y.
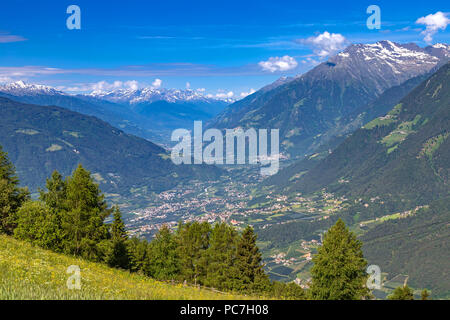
pixel 222 95
pixel 157 83
pixel 106 86
pixel 433 23
pixel 101 86
pixel 278 64
pixel 325 44
pixel 244 94
pixel 225 95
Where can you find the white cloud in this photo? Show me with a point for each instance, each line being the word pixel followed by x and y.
pixel 433 23
pixel 278 64
pixel 101 86
pixel 201 89
pixel 132 84
pixel 7 38
pixel 157 83
pixel 5 79
pixel 244 94
pixel 188 85
pixel 221 95
pixel 106 86
pixel 326 43
pixel 224 95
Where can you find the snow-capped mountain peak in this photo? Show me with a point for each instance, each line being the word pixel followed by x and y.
pixel 390 51
pixel 20 88
pixel 390 62
pixel 441 46
pixel 151 94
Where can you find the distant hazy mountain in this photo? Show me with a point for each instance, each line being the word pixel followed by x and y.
pixel 317 106
pixel 167 109
pixel 40 139
pixel 115 114
pixel 148 113
pixel 150 94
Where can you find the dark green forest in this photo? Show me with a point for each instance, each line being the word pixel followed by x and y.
pixel 41 139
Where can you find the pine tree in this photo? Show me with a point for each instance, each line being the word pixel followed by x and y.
pixel 86 211
pixel 250 272
pixel 221 256
pixel 164 261
pixel 402 293
pixel 116 254
pixel 339 267
pixel 11 195
pixel 56 194
pixel 192 242
pixel 118 230
pixel 139 252
pixel 288 291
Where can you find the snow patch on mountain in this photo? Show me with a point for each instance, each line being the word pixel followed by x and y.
pixel 121 96
pixel 388 61
pixel 149 95
pixel 20 89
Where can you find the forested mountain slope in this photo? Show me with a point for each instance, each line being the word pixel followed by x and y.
pixel 313 108
pixel 40 139
pixel 401 157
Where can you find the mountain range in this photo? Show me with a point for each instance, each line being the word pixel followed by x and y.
pixel 40 139
pixel 313 109
pixel 394 174
pixel 148 113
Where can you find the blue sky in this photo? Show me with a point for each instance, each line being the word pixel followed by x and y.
pixel 220 46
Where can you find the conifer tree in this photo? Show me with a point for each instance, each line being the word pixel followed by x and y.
pixel 56 194
pixel 192 242
pixel 339 267
pixel 288 291
pixel 251 275
pixel 164 262
pixel 118 230
pixel 86 211
pixel 402 293
pixel 11 195
pixel 139 252
pixel 221 256
pixel 116 253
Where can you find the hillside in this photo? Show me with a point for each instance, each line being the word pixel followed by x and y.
pixel 40 139
pixel 159 111
pixel 28 272
pixel 416 246
pixel 357 119
pixel 117 115
pixel 402 157
pixel 312 109
pixel 392 177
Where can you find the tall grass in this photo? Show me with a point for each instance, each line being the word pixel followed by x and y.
pixel 28 272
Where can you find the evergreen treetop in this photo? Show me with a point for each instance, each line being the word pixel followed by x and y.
pixel 11 195
pixel 339 271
